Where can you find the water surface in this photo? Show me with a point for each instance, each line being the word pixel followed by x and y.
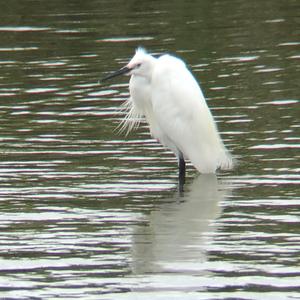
pixel 87 212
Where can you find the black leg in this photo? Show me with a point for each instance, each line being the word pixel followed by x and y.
pixel 181 177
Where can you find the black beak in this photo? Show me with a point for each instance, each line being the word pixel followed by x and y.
pixel 122 71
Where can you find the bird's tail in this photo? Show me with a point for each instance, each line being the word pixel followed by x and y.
pixel 226 161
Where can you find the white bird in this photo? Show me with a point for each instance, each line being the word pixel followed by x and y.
pixel 165 93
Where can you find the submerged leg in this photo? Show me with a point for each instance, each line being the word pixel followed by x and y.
pixel 181 177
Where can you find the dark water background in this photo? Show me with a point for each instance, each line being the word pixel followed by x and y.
pixel 89 213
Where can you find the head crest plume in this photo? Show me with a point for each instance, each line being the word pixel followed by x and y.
pixel 140 50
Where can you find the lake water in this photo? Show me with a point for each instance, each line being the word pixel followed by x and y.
pixel 88 213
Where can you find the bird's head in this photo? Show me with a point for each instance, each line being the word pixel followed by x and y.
pixel 140 65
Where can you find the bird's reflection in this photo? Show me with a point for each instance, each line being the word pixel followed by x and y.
pixel 175 235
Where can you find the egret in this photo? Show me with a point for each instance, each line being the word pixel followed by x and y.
pixel 166 95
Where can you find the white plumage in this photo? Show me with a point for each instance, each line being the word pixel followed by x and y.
pixel 165 93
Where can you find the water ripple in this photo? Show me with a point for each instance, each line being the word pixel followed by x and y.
pixel 87 212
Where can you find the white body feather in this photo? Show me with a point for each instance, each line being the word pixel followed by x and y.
pixel 171 101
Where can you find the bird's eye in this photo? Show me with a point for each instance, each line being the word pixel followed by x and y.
pixel 138 65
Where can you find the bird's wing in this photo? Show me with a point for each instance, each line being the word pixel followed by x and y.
pixel 184 117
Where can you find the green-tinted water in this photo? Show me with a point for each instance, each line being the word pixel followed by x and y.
pixel 89 213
